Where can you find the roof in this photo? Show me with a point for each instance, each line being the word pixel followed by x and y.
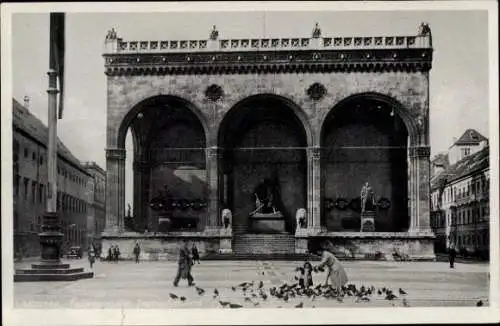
pixel 470 137
pixel 441 159
pixel 467 166
pixel 24 120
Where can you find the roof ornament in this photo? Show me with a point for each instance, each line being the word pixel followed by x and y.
pixel 316 31
pixel 214 34
pixel 111 35
pixel 424 29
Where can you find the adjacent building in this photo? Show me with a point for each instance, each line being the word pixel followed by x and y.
pixel 460 196
pixel 74 184
pixel 97 220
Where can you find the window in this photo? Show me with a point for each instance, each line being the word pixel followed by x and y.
pixel 15 149
pixel 40 193
pixel 41 160
pixel 33 156
pixel 26 181
pixel 25 153
pixel 33 191
pixel 16 184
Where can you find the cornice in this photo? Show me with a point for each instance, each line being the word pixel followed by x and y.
pixel 263 62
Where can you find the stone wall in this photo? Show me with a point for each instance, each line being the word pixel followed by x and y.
pixel 125 92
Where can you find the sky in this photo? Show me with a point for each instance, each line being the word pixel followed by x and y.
pixel 458 80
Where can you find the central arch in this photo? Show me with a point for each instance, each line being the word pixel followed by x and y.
pixel 263 137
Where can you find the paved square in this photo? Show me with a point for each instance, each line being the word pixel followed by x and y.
pixel 148 285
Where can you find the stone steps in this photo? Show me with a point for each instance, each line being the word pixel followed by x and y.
pixel 264 244
pixel 273 256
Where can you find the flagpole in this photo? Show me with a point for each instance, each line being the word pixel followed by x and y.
pixel 52 145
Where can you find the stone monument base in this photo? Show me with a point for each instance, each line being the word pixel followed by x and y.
pixel 267 223
pixel 368 221
pixel 51 272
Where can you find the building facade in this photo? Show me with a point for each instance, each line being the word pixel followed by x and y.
pixel 460 202
pixel 97 218
pixel 30 138
pixel 303 121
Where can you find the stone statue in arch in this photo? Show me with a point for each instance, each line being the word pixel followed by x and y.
pixel 129 210
pixel 227 218
pixel 266 198
pixel 367 198
pixel 301 218
pixel 424 29
pixel 111 35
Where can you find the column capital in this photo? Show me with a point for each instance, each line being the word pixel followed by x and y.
pixel 116 153
pixel 214 151
pixel 420 151
pixel 314 153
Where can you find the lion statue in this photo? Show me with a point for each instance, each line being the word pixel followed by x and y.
pixel 227 217
pixel 301 217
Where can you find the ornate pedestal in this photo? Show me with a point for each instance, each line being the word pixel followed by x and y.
pixel 368 221
pixel 267 223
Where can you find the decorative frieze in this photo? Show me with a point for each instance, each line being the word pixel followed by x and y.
pixel 116 153
pixel 420 151
pixel 262 62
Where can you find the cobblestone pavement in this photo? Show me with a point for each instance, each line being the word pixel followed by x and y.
pixel 148 285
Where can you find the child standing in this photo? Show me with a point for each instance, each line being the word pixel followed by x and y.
pixel 308 269
pixel 195 254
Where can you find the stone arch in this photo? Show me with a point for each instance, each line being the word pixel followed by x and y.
pixel 142 104
pixel 296 109
pixel 399 108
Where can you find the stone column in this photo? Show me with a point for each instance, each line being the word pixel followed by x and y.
pixel 137 195
pixel 115 189
pixel 420 189
pixel 213 213
pixel 314 189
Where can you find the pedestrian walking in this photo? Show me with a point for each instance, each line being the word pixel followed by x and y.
pixel 184 265
pixel 91 255
pixel 335 272
pixel 137 252
pixel 195 254
pixel 117 253
pixel 111 251
pixel 452 253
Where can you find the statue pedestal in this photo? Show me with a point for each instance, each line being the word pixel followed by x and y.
pixel 267 223
pixel 367 221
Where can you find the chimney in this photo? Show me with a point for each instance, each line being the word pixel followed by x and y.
pixel 26 102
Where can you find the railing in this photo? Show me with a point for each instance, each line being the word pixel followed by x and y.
pixel 327 43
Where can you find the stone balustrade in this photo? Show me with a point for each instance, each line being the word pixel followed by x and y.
pixel 118 45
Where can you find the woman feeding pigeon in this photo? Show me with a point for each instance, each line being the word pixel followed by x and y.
pixel 336 272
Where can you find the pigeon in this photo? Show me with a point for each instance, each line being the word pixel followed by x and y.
pixel 390 296
pixel 300 305
pixel 405 303
pixel 235 305
pixel 224 303
pixel 200 290
pixel 401 291
pixel 261 285
pixel 216 293
pixel 479 303
pixel 285 297
pixel 379 292
pixel 248 299
pixel 255 304
pixel 263 273
pixel 233 288
pixel 339 299
pixel 183 299
pixel 263 295
pixel 173 296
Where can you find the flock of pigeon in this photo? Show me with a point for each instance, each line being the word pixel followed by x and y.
pixel 254 293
